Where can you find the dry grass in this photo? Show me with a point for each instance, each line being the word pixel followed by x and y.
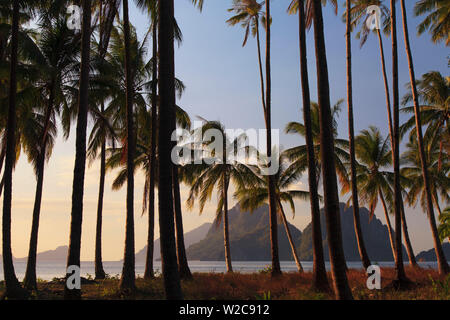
pixel 427 285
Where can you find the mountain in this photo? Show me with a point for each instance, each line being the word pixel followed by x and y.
pixel 375 234
pixel 190 237
pixel 249 237
pixel 57 255
pixel 430 255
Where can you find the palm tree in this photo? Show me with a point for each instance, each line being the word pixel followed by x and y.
pixel 13 289
pixel 216 172
pixel 166 85
pixel 331 198
pixel 438 171
pixel 400 279
pixel 107 12
pixel 298 154
pixel 252 197
pixel 80 156
pixel 127 281
pixel 248 14
pixel 351 136
pixel 444 268
pixel 359 13
pixel 319 272
pixel 56 58
pixel 437 21
pixel 276 269
pixel 374 156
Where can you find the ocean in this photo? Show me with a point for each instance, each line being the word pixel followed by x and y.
pixel 48 271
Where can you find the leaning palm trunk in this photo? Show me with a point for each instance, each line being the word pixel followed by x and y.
pixel 351 137
pixel 73 257
pixel 442 262
pixel 99 271
pixel 276 269
pixel 13 289
pixel 288 233
pixel 320 280
pixel 331 199
pixel 261 75
pixel 183 266
pixel 166 72
pixel 409 249
pixel 389 226
pixel 399 267
pixel 127 281
pixel 151 198
pixel 226 235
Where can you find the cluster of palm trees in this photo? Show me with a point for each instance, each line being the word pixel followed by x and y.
pixel 102 73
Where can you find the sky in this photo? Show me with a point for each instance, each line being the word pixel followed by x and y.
pixel 222 83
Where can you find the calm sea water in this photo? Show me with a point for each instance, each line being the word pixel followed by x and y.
pixel 48 271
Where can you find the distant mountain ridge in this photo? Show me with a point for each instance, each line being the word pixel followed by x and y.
pixel 375 235
pixel 430 255
pixel 249 237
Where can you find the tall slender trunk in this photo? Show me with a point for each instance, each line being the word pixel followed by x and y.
pixel 442 261
pixel 351 137
pixel 261 74
pixel 127 282
pixel 399 267
pixel 276 269
pixel 166 81
pixel 73 257
pixel 389 226
pixel 331 199
pixel 226 235
pixel 183 267
pixel 288 233
pixel 151 198
pixel 99 271
pixel 320 280
pixel 412 259
pixel 29 280
pixel 409 248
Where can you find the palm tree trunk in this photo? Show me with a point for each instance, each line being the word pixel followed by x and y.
pixel 388 222
pixel 399 267
pixel 276 269
pixel 226 236
pixel 331 199
pixel 13 289
pixel 73 257
pixel 99 271
pixel 409 248
pixel 151 198
pixel 166 71
pixel 320 280
pixel 351 137
pixel 183 266
pixel 261 75
pixel 127 282
pixel 288 233
pixel 442 261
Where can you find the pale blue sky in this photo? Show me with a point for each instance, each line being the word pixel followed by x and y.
pixel 223 84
